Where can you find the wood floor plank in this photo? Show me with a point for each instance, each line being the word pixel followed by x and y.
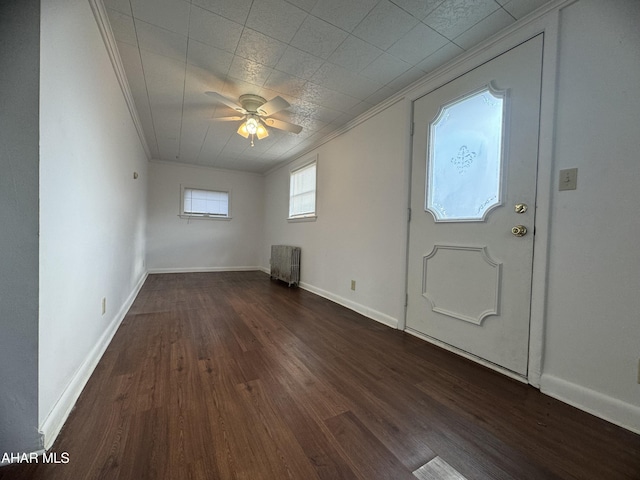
pixel 229 376
pixel 368 456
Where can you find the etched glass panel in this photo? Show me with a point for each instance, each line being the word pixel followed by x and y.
pixel 465 158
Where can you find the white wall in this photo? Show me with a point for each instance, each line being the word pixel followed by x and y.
pixel 92 211
pixel 178 244
pixel 360 232
pixel 593 324
pixel 19 82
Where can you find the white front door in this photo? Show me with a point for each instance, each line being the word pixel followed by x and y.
pixel 473 184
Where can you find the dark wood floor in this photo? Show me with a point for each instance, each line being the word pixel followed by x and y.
pixel 234 376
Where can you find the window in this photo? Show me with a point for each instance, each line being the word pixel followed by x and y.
pixel 465 157
pixel 205 203
pixel 302 192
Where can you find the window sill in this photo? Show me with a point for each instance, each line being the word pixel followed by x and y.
pixel 307 218
pixel 204 217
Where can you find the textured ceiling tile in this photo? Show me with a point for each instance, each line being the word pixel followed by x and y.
pixel 344 14
pixel 456 16
pixel 168 148
pixel 350 73
pixel 344 81
pixel 235 145
pixel 380 96
pixel 236 10
pixel 318 37
pixel 418 44
pixel 302 108
pixel 122 6
pixel 217 136
pixel 407 78
pixel 160 41
pixel 214 30
pixel 385 24
pixel 418 8
pixel 275 18
pixel 306 5
pixel 442 56
pixel 269 93
pixel 201 80
pixel 298 63
pixel 280 148
pixel 520 8
pixel 122 26
pixel 260 48
pixel 385 68
pixel 249 71
pixel 309 126
pixel 192 137
pixel 328 98
pixel 484 29
pixel 197 106
pixel 233 88
pixel 216 61
pixel 285 84
pixel 170 14
pixel 164 78
pixel 354 54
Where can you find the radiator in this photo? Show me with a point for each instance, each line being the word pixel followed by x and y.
pixel 285 263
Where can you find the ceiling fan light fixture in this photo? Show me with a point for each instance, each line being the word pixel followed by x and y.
pixel 261 132
pixel 255 112
pixel 242 130
pixel 251 125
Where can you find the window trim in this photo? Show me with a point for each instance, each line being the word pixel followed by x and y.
pixel 296 167
pixel 189 216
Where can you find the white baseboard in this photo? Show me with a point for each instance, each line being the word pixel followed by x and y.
pixel 608 408
pixel 52 425
pixel 356 307
pixel 203 269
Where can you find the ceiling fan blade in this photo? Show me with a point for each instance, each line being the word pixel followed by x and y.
pixel 228 119
pixel 281 125
pixel 224 100
pixel 272 106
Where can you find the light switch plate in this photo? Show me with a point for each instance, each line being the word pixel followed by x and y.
pixel 568 179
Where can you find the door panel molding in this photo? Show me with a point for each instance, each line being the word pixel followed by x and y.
pixel 439 295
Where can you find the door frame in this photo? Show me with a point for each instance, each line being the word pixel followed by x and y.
pixel 544 21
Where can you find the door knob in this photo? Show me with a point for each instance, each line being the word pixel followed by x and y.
pixel 519 230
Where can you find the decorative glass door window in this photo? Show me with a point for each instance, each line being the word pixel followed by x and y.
pixel 464 172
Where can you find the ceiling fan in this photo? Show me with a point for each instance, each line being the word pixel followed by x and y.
pixel 256 115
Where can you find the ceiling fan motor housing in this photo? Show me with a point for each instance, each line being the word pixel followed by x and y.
pixel 251 103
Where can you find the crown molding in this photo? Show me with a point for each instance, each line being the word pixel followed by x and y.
pixel 208 168
pixel 102 20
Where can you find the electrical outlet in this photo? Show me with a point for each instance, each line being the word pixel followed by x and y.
pixel 104 305
pixel 353 284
